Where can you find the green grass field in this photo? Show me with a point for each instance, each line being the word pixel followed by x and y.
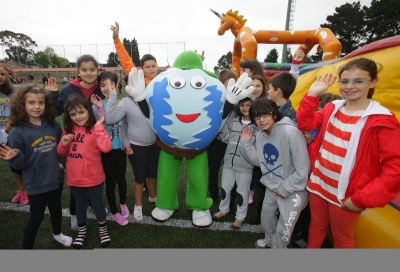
pixel 175 233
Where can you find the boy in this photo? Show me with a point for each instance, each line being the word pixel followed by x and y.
pixel 236 170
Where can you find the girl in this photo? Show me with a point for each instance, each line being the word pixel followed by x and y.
pixel 281 153
pixel 85 85
pixel 355 155
pixel 237 170
pixel 114 162
pixel 32 148
pixel 144 159
pixel 82 142
pixel 6 90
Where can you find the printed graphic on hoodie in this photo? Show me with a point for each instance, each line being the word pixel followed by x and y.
pixel 73 151
pixel 44 144
pixel 271 155
pixel 4 109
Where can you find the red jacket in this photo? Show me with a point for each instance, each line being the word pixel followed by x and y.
pixel 375 177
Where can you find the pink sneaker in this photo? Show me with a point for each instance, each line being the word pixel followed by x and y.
pixel 120 219
pixel 124 210
pixel 17 197
pixel 24 199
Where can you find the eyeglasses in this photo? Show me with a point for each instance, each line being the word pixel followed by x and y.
pixel 263 115
pixel 346 82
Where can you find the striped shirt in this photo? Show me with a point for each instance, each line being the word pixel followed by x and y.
pixel 325 175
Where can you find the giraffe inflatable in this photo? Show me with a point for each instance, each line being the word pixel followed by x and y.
pixel 246 39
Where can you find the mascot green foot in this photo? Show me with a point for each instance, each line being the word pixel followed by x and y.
pixel 161 215
pixel 201 219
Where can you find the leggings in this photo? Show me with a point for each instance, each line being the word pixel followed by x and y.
pixel 37 207
pixel 323 214
pixel 114 166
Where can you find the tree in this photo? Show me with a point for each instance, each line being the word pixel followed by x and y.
pixel 289 57
pixel 112 60
pixel 272 56
pixel 347 23
pixel 48 58
pixel 133 50
pixel 382 19
pixel 19 45
pixel 224 62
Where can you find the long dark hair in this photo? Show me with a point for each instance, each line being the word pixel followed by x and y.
pixel 7 87
pixel 74 102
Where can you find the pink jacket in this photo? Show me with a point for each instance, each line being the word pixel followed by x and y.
pixel 83 154
pixel 374 179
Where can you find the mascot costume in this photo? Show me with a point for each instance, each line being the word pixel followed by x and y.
pixel 186 108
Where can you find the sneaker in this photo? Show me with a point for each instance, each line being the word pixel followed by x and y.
pixel 152 199
pixel 74 223
pixel 251 195
pixel 63 239
pixel 24 199
pixel 17 197
pixel 261 243
pixel 137 213
pixel 124 210
pixel 120 219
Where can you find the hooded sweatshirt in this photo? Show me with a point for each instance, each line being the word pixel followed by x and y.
pixel 74 87
pixel 84 168
pixel 37 156
pixel 282 157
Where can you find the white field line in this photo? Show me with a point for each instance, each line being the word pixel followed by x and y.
pixel 179 223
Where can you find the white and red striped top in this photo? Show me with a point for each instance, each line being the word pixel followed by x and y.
pixel 328 165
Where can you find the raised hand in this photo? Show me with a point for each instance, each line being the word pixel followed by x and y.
pixel 101 120
pixel 7 153
pixel 110 87
pixel 136 86
pixel 67 138
pixel 51 84
pixel 299 55
pixel 115 30
pixel 96 100
pixel 321 84
pixel 245 133
pixel 239 90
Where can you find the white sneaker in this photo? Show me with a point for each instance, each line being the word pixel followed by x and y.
pixel 63 239
pixel 137 213
pixel 262 243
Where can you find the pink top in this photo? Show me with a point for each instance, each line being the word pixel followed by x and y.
pixel 83 154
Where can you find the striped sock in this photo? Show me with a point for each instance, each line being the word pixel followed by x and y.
pixel 104 236
pixel 78 242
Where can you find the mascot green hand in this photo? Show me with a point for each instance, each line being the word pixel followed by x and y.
pixel 186 107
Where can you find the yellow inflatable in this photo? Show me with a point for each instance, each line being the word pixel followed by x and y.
pixel 387 90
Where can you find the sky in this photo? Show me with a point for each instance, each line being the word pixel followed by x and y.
pixel 162 28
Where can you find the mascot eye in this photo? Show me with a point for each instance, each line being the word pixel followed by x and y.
pixel 198 82
pixel 177 82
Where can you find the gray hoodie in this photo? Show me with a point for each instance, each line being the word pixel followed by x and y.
pixel 282 156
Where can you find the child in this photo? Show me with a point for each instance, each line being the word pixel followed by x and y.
pixel 355 155
pixel 82 142
pixel 303 223
pixel 216 150
pixel 281 87
pixel 236 168
pixel 148 62
pixel 114 162
pixel 6 90
pixel 85 85
pixel 281 153
pixel 144 160
pixel 32 148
